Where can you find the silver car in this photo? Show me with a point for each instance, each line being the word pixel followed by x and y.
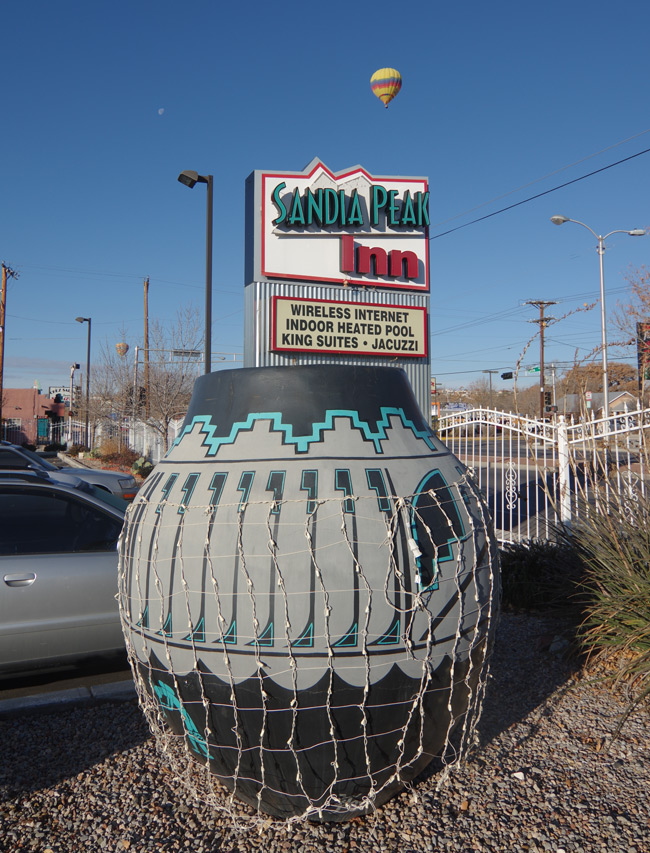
pixel 15 457
pixel 58 570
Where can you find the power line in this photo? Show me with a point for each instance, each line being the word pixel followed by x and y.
pixel 543 178
pixel 123 275
pixel 539 195
pixel 499 315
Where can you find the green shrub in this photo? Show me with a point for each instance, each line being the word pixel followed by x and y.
pixel 123 458
pixel 142 467
pixel 540 575
pixel 76 449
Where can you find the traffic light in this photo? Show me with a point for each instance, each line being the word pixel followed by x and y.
pixel 507 375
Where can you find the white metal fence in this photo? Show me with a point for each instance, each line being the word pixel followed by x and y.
pixel 137 435
pixel 11 430
pixel 64 432
pixel 134 434
pixel 147 441
pixel 534 474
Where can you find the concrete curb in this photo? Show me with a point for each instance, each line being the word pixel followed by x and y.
pixel 72 461
pixel 118 691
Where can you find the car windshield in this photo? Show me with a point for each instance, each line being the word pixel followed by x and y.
pixel 39 460
pixel 106 497
pixel 101 495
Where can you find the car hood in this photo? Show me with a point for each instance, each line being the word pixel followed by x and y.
pixel 93 475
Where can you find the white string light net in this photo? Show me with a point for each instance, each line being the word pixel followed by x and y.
pixel 309 657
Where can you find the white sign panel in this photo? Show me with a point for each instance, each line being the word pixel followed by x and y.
pixel 348 228
pixel 64 391
pixel 358 328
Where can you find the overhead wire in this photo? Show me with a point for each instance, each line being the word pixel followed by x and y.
pixel 478 321
pixel 539 195
pixel 544 178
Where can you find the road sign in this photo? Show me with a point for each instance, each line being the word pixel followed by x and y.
pixel 587 395
pixel 532 371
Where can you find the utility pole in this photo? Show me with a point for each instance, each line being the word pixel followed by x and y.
pixel 146 348
pixel 7 273
pixel 542 322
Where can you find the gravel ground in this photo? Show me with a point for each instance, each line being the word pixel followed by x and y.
pixel 543 778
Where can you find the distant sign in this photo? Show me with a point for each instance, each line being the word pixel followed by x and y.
pixel 588 395
pixel 456 407
pixel 533 371
pixel 192 354
pixel 64 391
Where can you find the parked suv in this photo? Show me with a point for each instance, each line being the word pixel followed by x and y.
pixel 14 457
pixel 58 570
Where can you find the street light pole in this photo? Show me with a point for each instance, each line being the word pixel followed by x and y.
pixel 73 367
pixel 87 320
pixel 190 178
pixel 7 273
pixel 636 232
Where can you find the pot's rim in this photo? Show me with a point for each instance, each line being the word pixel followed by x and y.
pixel 303 395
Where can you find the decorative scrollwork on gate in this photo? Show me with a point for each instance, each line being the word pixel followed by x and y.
pixel 630 495
pixel 511 491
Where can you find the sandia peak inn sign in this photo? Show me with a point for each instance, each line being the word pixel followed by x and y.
pixel 340 228
pixel 337 271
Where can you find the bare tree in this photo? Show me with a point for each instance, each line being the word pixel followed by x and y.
pixel 525 400
pixel 172 369
pixel 112 390
pixel 589 377
pixel 637 309
pixel 478 393
pixel 118 387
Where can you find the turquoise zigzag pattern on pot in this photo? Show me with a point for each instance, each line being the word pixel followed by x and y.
pixel 302 442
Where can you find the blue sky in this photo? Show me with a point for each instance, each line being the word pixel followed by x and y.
pixel 104 103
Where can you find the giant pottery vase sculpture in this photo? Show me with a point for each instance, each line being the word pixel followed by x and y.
pixel 307 582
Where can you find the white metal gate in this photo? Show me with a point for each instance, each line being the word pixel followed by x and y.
pixel 535 474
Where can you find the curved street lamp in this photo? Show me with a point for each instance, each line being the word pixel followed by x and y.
pixel 86 320
pixel 190 178
pixel 636 232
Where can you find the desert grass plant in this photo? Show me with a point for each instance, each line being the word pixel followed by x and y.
pixel 614 548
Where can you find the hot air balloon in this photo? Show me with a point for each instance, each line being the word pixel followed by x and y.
pixel 386 83
pixel 122 349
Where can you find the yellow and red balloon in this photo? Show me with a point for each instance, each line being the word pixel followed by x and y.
pixel 386 83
